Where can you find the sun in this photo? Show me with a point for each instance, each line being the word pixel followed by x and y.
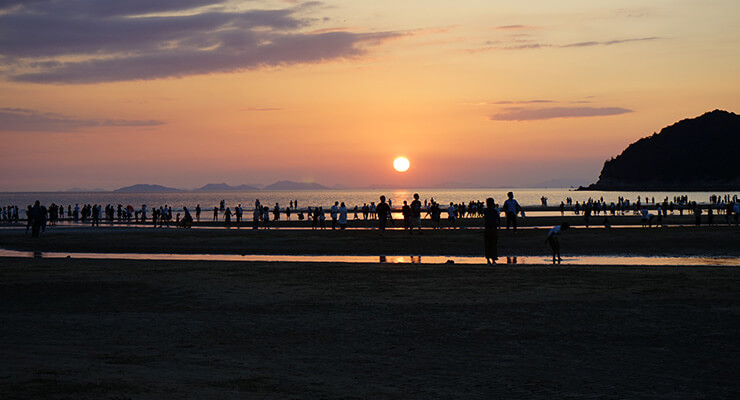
pixel 401 164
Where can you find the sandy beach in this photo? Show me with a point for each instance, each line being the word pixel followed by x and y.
pixel 111 329
pixel 120 329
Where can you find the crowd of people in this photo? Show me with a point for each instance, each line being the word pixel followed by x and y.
pixel 38 216
pixel 411 213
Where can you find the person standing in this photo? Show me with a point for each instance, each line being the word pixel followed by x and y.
pixel 415 213
pixel 35 217
pixel 511 207
pixel 492 221
pixel 256 216
pixel 406 213
pixel 334 212
pixel 382 210
pixel 342 217
pixel 227 218
pixel 451 212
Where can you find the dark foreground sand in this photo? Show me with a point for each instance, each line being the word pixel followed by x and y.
pixel 107 329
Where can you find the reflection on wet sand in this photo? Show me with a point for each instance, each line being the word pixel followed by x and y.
pixel 392 259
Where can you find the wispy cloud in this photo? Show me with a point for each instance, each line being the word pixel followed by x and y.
pixel 24 120
pixel 524 44
pixel 514 27
pixel 610 42
pixel 89 41
pixel 527 114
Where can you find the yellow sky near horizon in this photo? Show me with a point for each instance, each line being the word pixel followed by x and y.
pixel 486 92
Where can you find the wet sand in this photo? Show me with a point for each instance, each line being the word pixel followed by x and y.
pixel 111 329
pixel 669 241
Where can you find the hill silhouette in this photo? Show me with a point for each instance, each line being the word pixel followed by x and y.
pixel 692 154
pixel 290 185
pixel 223 187
pixel 141 187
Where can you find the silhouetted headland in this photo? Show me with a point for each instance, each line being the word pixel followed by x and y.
pixel 698 154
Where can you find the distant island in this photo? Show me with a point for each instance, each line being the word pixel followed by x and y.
pixel 290 185
pixel 222 187
pixel 698 154
pixel 146 188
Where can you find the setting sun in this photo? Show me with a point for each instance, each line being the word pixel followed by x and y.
pixel 401 164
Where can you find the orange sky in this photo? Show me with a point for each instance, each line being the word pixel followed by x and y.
pixel 183 93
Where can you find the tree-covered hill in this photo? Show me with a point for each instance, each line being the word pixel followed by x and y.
pixel 693 154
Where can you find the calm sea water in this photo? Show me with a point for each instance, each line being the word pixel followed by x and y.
pixel 325 198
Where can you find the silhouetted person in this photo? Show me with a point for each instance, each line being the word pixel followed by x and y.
pixel 342 216
pixel 451 213
pixel 552 238
pixel 322 217
pixel 334 212
pixel 492 221
pixel 36 218
pixel 406 213
pixel 256 215
pixel 187 220
pixel 29 220
pixel 697 214
pixel 415 213
pixel 511 207
pixel 382 210
pixel 266 217
pixel 227 218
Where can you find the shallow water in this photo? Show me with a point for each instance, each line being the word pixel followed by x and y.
pixel 524 260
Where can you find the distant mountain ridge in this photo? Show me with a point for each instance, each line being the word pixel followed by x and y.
pixel 290 185
pixel 692 154
pixel 223 187
pixel 141 187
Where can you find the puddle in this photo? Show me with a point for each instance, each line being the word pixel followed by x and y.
pixel 525 260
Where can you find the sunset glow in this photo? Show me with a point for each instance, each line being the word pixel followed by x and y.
pixel 492 93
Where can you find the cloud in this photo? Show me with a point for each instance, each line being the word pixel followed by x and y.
pixel 104 8
pixel 89 41
pixel 24 120
pixel 524 114
pixel 523 44
pixel 513 27
pixel 610 42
